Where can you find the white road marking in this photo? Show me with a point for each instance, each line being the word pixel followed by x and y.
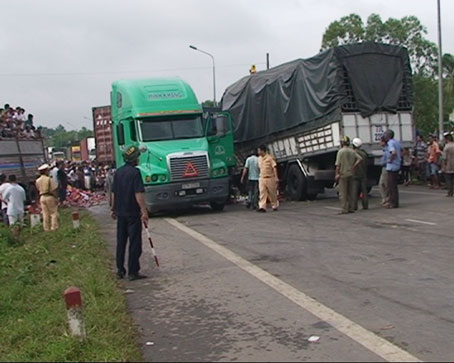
pixel 366 338
pixel 334 208
pixel 421 193
pixel 421 222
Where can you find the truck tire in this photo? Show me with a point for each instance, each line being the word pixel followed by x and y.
pixel 219 207
pixel 296 183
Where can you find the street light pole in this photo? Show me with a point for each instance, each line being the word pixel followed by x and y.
pixel 440 75
pixel 214 70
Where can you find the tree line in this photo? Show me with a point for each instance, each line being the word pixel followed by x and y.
pixel 60 137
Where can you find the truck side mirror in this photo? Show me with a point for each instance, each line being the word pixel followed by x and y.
pixel 120 134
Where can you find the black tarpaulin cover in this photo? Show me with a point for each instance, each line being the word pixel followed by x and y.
pixel 311 91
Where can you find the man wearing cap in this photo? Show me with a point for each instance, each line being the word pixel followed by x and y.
pixel 360 176
pixel 130 211
pixel 47 189
pixel 268 180
pixel 347 160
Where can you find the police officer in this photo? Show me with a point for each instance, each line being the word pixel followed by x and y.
pixel 360 176
pixel 347 161
pixel 130 211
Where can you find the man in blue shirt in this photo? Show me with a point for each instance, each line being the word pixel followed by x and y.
pixel 393 164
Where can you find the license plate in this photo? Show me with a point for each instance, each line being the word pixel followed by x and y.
pixel 190 186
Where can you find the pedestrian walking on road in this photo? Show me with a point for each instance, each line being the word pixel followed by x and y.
pixel 130 211
pixel 448 160
pixel 15 197
pixel 393 165
pixel 251 168
pixel 421 158
pixel 433 161
pixel 47 189
pixel 3 186
pixel 268 180
pixel 347 160
pixel 383 182
pixel 360 176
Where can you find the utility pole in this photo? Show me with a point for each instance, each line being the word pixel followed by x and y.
pixel 440 75
pixel 267 60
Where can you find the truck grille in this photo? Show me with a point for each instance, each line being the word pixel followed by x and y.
pixel 192 167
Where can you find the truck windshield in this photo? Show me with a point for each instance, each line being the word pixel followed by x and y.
pixel 171 128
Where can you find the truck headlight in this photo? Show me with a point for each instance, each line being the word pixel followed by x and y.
pixel 162 178
pixel 154 178
pixel 148 179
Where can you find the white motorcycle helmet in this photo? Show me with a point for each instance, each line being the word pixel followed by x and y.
pixel 357 142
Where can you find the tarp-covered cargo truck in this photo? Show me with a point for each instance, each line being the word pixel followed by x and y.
pixel 22 158
pixel 303 108
pixel 185 154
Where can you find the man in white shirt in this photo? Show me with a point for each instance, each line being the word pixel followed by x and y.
pixel 3 186
pixel 15 197
pixel 53 173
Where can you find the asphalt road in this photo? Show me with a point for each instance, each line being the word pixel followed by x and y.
pixel 239 285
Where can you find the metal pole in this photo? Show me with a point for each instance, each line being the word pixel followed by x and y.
pixel 440 75
pixel 214 70
pixel 267 60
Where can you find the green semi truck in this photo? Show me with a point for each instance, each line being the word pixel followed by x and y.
pixel 186 154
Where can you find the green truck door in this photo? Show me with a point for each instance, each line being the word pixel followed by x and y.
pixel 220 138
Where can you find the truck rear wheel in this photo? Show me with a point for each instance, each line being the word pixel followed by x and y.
pixel 296 183
pixel 217 206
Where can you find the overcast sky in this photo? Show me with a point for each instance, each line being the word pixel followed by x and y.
pixel 59 58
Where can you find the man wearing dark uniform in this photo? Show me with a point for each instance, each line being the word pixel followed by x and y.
pixel 347 161
pixel 130 211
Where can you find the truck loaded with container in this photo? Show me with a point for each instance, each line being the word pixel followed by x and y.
pixel 302 109
pixel 186 154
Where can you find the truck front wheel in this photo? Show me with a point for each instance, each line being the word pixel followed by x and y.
pixel 296 183
pixel 217 206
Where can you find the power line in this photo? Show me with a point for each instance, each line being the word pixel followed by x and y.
pixel 98 73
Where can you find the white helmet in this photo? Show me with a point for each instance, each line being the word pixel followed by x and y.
pixel 357 142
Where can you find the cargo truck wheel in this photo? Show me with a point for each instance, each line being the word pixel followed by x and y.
pixel 296 183
pixel 217 206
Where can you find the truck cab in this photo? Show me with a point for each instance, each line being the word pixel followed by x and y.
pixel 186 155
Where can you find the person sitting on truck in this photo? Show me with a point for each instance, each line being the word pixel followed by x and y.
pixel 47 189
pixel 360 176
pixel 268 180
pixel 251 167
pixel 347 160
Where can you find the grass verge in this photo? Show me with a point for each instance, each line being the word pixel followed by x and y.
pixel 35 271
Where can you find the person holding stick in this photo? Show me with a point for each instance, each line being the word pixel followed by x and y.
pixel 130 211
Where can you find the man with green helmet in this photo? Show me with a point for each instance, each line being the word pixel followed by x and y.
pixel 130 211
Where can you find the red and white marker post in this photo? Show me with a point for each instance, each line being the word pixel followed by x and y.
pixel 151 244
pixel 76 219
pixel 73 299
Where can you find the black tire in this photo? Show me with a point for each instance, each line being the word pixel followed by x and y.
pixel 219 207
pixel 311 196
pixel 296 183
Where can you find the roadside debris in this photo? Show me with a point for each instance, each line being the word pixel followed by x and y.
pixel 313 339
